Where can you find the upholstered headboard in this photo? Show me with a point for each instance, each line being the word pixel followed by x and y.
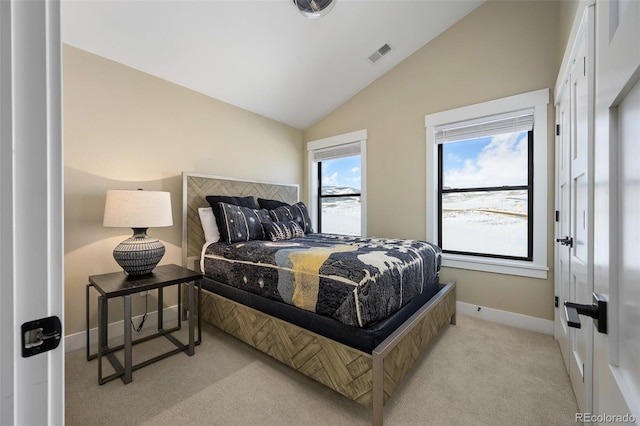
pixel 195 187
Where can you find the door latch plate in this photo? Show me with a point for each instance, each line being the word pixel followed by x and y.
pixel 40 335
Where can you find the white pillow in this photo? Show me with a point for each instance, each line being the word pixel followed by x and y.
pixel 209 225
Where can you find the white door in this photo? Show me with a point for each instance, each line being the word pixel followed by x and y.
pixel 563 224
pixel 581 284
pixel 617 210
pixel 31 191
pixel 574 203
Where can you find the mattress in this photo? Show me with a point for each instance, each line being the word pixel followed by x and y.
pixel 356 281
pixel 363 339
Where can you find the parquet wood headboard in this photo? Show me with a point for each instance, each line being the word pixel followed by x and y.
pixel 195 187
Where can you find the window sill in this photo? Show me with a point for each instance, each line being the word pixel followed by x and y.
pixel 497 266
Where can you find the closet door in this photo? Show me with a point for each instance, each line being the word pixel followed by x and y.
pixel 563 223
pixel 574 230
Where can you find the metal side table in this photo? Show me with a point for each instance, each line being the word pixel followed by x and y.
pixel 119 284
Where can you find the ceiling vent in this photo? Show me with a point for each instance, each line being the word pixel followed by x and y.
pixel 379 53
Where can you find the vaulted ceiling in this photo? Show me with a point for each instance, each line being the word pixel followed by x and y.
pixel 260 55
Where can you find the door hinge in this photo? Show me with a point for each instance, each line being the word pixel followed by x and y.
pixel 557 215
pixel 556 301
pixel 557 130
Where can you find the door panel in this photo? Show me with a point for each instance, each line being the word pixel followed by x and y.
pixel 629 222
pixel 574 186
pixel 582 338
pixel 616 223
pixel 563 270
pixel 31 192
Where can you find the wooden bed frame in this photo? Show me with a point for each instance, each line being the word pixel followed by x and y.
pixel 368 379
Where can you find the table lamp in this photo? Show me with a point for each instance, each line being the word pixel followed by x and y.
pixel 139 210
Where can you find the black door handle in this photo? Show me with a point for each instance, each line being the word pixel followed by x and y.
pixel 597 311
pixel 566 241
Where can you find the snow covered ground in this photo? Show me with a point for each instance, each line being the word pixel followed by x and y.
pixel 483 222
pixel 341 216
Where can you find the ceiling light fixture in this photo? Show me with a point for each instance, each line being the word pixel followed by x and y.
pixel 314 8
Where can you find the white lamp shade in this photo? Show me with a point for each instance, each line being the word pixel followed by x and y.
pixel 137 209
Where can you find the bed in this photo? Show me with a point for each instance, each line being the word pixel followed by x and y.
pixel 362 354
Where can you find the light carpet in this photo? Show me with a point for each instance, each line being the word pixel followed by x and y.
pixel 473 373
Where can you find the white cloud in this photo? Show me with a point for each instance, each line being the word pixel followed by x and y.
pixel 502 162
pixel 453 158
pixel 331 180
pixel 355 170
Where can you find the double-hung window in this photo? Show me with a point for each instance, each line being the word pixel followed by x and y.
pixel 485 186
pixel 337 184
pixel 488 188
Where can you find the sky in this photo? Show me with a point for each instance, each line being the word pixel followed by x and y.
pixel 342 172
pixel 489 161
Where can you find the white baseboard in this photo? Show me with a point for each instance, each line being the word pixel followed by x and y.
pixel 507 318
pixel 77 341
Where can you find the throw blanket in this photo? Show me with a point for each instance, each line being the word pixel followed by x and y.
pixel 356 281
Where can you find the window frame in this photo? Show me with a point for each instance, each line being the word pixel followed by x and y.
pixel 537 266
pixel 528 187
pixel 358 137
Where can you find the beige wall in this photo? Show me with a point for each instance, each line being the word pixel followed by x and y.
pixel 566 13
pixel 500 49
pixel 124 129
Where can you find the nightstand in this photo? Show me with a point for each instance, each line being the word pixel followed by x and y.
pixel 119 284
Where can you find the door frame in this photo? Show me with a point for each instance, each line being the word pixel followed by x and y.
pixel 617 71
pixel 31 207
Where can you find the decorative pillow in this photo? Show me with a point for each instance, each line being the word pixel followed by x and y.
pixel 242 223
pixel 209 225
pixel 277 231
pixel 237 201
pixel 270 204
pixel 297 212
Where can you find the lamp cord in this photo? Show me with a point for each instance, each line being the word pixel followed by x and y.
pixel 144 317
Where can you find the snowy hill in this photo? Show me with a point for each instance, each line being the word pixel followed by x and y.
pixel 341 215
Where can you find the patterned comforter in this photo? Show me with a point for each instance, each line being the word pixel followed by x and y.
pixel 356 281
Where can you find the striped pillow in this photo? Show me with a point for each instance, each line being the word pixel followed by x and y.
pixel 276 231
pixel 297 212
pixel 242 223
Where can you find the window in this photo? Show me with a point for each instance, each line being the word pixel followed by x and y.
pixel 488 193
pixel 337 190
pixel 339 207
pixel 485 185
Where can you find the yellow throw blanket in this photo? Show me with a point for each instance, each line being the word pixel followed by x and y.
pixel 306 265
